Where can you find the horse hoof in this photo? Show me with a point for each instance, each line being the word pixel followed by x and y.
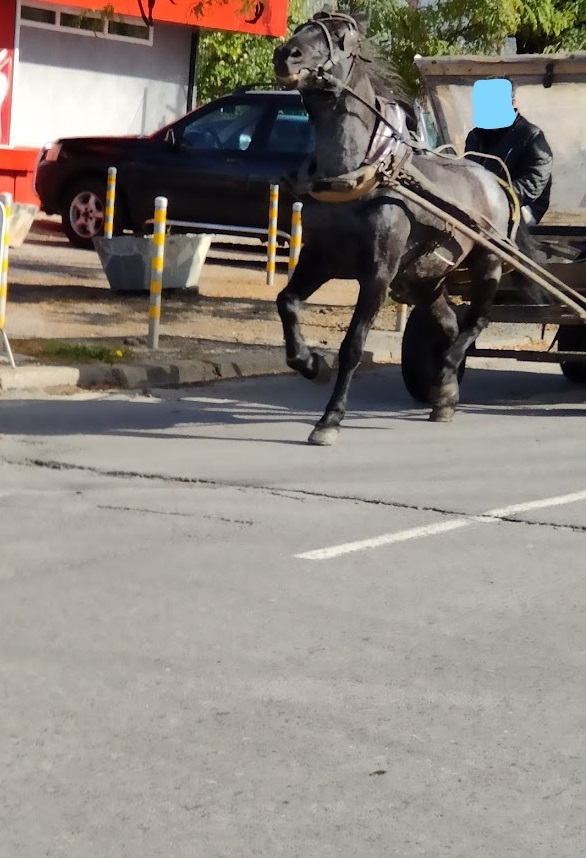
pixel 323 437
pixel 323 371
pixel 442 415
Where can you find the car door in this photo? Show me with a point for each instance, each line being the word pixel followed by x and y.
pixel 201 164
pixel 286 140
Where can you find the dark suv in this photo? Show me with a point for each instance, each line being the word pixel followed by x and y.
pixel 214 165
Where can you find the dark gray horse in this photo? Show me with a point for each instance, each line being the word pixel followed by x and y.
pixel 373 234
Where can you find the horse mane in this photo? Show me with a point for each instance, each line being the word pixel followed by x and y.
pixel 385 79
pixel 383 75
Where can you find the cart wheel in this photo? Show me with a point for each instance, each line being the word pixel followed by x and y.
pixel 572 338
pixel 420 356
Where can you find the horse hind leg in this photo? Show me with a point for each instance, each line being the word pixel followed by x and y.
pixel 486 270
pixel 444 391
pixel 307 278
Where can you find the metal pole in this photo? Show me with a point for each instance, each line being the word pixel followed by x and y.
pixel 295 244
pixel 110 202
pixel 5 208
pixel 193 58
pixel 401 319
pixel 157 264
pixel 272 233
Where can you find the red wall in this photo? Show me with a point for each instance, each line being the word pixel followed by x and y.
pixel 7 28
pixel 17 167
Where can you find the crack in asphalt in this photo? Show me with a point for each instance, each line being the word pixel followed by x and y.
pixel 121 508
pixel 293 494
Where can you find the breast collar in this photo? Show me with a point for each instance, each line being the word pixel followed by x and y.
pixel 386 141
pixel 388 146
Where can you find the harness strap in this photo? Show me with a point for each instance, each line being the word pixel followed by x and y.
pixel 318 20
pixel 388 132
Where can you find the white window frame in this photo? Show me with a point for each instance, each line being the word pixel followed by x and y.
pixel 68 10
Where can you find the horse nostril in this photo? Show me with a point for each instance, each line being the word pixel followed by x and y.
pixel 295 53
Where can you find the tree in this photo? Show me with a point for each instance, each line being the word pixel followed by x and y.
pixel 227 60
pixel 403 28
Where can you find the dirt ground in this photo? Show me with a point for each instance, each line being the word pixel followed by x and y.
pixel 56 291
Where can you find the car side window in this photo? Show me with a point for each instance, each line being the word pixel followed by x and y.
pixel 292 132
pixel 229 127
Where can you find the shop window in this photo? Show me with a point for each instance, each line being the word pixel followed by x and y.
pixel 38 15
pixel 86 23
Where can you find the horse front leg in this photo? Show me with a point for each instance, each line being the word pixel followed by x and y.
pixel 370 299
pixel 306 279
pixel 486 270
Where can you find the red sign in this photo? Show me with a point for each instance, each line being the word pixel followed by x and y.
pixel 7 25
pixel 260 17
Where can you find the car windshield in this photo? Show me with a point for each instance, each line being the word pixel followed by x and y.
pixel 292 132
pixel 230 126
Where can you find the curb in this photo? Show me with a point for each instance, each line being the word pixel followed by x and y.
pixel 144 375
pixel 131 376
pixel 261 362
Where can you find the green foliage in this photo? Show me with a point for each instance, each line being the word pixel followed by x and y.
pixel 83 353
pixel 404 29
pixel 227 60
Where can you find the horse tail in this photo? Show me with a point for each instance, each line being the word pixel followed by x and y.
pixel 528 288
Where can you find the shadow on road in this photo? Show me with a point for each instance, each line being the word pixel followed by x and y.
pixel 377 397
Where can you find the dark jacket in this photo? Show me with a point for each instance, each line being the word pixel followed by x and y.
pixel 525 151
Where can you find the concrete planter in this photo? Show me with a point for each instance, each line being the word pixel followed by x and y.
pixel 126 260
pixel 22 216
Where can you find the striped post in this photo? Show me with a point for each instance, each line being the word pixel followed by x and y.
pixel 110 199
pixel 272 245
pixel 158 261
pixel 6 200
pixel 295 245
pixel 5 209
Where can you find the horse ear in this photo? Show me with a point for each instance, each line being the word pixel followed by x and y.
pixel 362 21
pixel 350 40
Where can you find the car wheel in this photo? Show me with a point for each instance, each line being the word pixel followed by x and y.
pixel 82 212
pixel 420 356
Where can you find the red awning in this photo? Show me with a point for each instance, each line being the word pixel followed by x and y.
pixel 260 17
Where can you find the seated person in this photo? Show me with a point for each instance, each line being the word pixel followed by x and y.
pixel 502 131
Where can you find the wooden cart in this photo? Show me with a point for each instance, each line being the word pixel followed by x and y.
pixel 551 92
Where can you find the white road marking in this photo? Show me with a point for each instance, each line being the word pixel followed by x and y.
pixel 490 517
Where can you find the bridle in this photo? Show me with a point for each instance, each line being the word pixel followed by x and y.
pixel 354 54
pixel 323 71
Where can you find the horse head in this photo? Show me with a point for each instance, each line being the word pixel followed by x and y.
pixel 320 52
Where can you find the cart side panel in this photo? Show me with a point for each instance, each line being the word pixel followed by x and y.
pixel 559 109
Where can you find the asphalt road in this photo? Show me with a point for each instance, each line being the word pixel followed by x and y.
pixel 219 642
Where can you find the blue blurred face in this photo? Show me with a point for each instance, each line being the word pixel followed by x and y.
pixel 492 103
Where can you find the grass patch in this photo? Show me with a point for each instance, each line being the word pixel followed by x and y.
pixel 59 351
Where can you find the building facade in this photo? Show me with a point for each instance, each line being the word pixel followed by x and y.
pixel 68 70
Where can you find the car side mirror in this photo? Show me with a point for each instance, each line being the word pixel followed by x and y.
pixel 171 140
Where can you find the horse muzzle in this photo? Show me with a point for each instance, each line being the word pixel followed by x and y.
pixel 289 81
